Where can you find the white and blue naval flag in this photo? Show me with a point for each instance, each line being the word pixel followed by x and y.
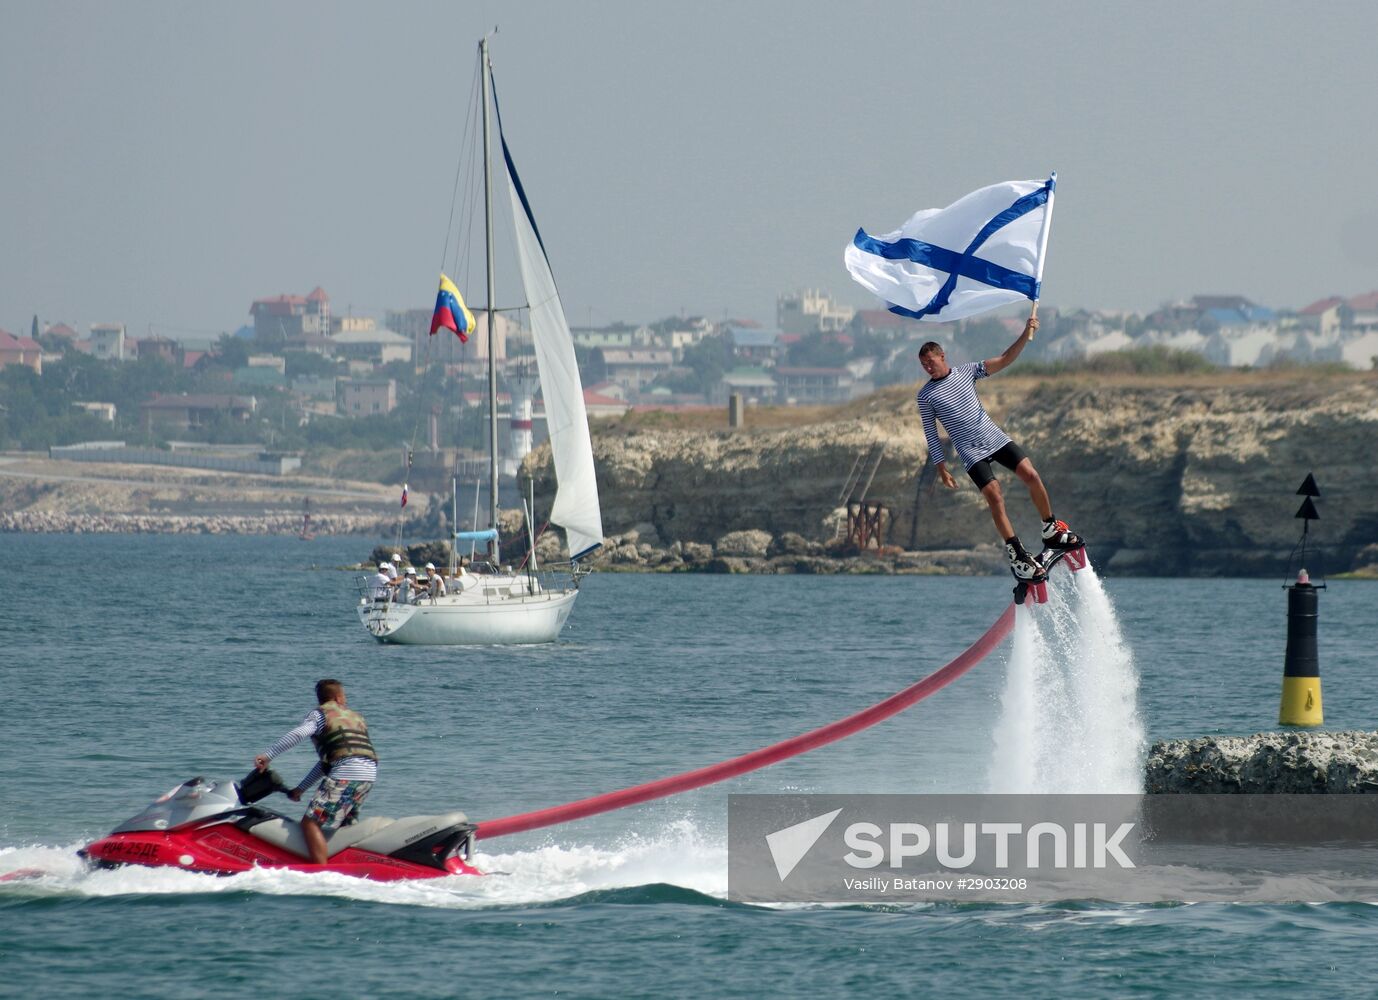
pixel 981 252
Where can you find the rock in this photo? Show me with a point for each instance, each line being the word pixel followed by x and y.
pixel 1345 762
pixel 752 543
pixel 550 547
pixel 731 564
pixel 791 543
pixel 646 532
pixel 696 552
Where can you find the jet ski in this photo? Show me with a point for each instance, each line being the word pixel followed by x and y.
pixel 216 827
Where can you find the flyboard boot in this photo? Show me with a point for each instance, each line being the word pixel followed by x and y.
pixel 1061 542
pixel 1030 576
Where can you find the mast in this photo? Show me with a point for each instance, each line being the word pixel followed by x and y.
pixel 486 71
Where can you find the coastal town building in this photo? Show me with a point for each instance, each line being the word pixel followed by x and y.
pixel 20 351
pixel 444 347
pixel 352 324
pixel 598 405
pixel 163 348
pixel 284 316
pixel 379 347
pixel 108 342
pixel 366 398
pixel 618 335
pixel 810 311
pixel 813 386
pixel 105 411
pixel 755 385
pixel 636 367
pixel 190 411
pixel 753 345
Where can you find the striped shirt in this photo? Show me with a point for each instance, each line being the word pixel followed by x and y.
pixel 349 769
pixel 952 399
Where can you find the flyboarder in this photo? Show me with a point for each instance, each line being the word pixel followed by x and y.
pixel 949 395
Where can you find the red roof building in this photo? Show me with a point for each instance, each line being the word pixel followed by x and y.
pixel 284 316
pixel 20 351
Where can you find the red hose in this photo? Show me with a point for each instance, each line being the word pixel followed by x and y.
pixel 764 757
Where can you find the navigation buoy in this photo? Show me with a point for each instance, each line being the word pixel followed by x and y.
pixel 1301 672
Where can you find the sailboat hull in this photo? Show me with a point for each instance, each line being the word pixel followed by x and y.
pixel 463 620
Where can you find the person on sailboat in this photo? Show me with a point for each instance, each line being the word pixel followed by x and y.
pixel 949 395
pixel 435 583
pixel 380 584
pixel 411 592
pixel 348 764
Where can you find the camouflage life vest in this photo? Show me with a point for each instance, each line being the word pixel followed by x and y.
pixel 345 734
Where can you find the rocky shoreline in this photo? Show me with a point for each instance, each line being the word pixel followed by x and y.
pixel 285 523
pixel 754 551
pixel 1278 762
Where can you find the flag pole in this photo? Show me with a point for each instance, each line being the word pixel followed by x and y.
pixel 1043 243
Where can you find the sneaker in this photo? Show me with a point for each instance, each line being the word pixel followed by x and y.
pixel 1056 535
pixel 1022 564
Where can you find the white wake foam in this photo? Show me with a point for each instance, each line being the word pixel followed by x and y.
pixel 678 855
pixel 1069 720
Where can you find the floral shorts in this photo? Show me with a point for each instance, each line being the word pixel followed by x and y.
pixel 336 799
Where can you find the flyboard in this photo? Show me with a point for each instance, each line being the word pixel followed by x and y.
pixel 1037 587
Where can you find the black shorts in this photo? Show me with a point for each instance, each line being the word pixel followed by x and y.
pixel 1008 456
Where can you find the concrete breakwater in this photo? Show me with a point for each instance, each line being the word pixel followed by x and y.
pixel 1283 762
pixel 285 523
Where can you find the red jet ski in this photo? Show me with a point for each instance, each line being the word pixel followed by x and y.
pixel 215 827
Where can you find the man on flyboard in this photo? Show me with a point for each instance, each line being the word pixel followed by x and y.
pixel 949 395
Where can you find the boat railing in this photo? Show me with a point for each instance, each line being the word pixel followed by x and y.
pixel 484 580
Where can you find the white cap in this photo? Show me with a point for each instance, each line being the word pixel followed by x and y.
pixel 411 571
pixel 384 565
pixel 430 565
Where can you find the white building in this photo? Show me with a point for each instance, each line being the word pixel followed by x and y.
pixel 810 311
pixel 108 341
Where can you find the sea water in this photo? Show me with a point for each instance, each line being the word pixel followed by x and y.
pixel 132 663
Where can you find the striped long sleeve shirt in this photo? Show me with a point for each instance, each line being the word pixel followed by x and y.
pixel 349 769
pixel 952 399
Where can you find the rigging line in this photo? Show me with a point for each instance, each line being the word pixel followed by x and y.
pixel 764 757
pixel 539 535
pixel 464 237
pixel 454 191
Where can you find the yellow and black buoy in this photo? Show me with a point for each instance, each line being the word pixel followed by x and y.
pixel 1301 672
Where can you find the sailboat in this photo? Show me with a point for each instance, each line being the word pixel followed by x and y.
pixel 487 603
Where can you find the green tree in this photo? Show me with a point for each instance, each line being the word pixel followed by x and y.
pixel 231 352
pixel 817 350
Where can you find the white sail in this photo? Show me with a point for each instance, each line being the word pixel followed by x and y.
pixel 576 499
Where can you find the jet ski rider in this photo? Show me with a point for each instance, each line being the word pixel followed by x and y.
pixel 348 764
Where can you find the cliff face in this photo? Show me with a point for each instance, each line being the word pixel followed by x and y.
pixel 1164 476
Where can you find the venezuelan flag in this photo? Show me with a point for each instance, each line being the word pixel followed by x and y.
pixel 450 311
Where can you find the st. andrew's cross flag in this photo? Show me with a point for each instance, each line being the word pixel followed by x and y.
pixel 450 312
pixel 981 252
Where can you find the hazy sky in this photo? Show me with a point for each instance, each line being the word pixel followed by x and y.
pixel 168 163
